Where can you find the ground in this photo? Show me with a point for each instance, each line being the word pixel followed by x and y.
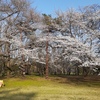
pixel 55 88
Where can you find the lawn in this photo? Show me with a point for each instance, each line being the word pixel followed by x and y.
pixel 55 88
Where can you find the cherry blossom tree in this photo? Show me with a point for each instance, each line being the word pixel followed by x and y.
pixel 62 43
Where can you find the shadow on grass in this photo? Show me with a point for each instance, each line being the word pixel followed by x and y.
pixel 16 94
pixel 78 80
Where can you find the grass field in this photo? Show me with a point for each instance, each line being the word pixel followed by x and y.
pixel 55 88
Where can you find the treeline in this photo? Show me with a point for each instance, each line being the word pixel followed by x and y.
pixel 32 42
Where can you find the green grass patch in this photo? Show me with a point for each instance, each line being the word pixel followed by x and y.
pixel 55 88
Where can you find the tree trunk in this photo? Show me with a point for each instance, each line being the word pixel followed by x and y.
pixel 47 58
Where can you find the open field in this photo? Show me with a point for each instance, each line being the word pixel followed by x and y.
pixel 55 88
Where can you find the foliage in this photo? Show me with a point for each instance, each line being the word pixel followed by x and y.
pixel 65 42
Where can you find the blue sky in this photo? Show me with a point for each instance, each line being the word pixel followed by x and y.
pixel 50 6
